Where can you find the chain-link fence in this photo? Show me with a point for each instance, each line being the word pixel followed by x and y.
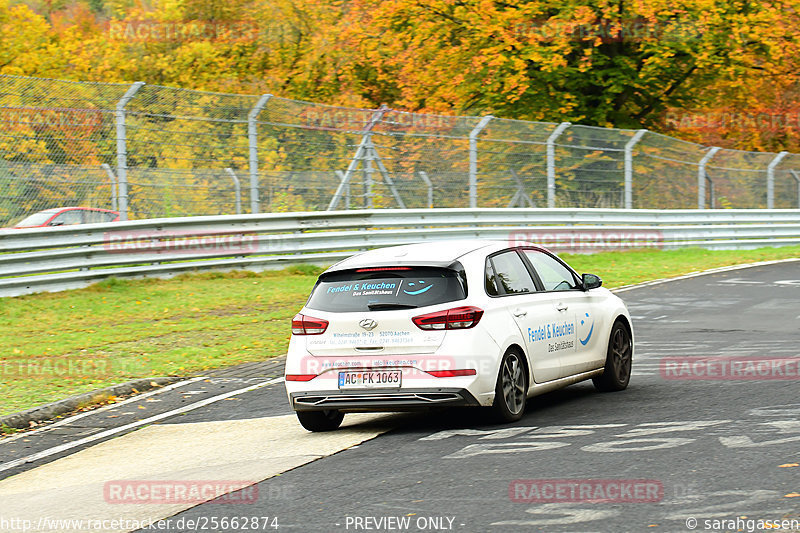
pixel 151 151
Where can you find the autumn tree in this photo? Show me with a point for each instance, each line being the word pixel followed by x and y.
pixel 607 62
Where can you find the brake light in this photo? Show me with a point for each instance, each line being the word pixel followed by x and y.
pixel 452 373
pixel 382 269
pixel 456 318
pixel 306 325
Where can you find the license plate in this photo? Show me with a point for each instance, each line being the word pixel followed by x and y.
pixel 370 380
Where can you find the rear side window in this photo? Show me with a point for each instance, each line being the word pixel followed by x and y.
pixel 510 275
pixel 381 289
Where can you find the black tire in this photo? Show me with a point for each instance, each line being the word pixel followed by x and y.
pixel 327 420
pixel 511 391
pixel 617 372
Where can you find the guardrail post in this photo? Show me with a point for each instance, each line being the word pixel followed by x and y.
pixel 629 167
pixel 797 179
pixel 551 162
pixel 473 160
pixel 701 176
pixel 252 141
pixel 771 179
pixel 237 186
pixel 113 180
pixel 122 148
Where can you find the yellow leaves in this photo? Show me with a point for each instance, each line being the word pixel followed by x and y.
pixel 789 465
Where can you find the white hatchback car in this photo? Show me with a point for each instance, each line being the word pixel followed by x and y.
pixel 452 323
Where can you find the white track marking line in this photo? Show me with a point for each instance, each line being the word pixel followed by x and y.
pixel 109 432
pixel 101 409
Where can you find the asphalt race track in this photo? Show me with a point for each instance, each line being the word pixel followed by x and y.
pixel 706 438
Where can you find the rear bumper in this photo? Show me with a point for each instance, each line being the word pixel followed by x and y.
pixel 381 400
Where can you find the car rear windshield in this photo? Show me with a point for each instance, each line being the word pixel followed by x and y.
pixel 383 289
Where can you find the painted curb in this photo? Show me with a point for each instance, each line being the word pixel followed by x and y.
pixel 23 419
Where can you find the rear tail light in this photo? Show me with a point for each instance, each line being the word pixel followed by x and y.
pixel 456 318
pixel 306 325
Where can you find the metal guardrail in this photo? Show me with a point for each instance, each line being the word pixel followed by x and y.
pixel 53 259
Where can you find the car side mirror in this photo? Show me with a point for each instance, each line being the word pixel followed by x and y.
pixel 590 281
pixel 56 223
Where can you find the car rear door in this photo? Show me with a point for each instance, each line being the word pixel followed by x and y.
pixel 533 311
pixel 578 342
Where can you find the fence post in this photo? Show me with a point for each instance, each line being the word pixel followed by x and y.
pixel 797 179
pixel 771 178
pixel 340 175
pixel 362 152
pixel 712 197
pixel 629 167
pixel 473 160
pixel 237 188
pixel 426 179
pixel 701 176
pixel 551 162
pixel 113 180
pixel 122 149
pixel 252 141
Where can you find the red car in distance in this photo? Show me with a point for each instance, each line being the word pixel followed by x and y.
pixel 67 216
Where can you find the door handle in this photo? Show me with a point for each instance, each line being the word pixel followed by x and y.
pixel 561 307
pixel 519 312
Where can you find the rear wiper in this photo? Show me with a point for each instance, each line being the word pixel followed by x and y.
pixel 386 305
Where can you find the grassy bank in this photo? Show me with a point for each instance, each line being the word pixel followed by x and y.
pixel 57 345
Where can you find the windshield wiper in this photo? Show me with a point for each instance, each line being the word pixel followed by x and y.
pixel 386 305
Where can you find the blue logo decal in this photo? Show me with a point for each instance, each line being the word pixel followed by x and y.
pixel 418 291
pixel 589 336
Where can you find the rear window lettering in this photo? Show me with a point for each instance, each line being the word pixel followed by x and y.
pixel 351 291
